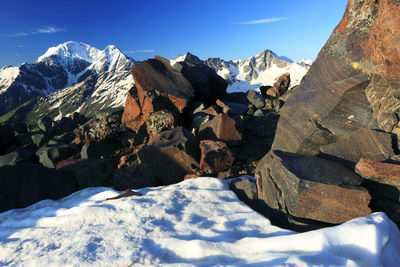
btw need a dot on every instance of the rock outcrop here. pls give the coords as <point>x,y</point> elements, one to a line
<point>157,87</point>
<point>311,187</point>
<point>346,108</point>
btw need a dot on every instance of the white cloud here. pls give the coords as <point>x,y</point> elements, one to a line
<point>49,30</point>
<point>20,46</point>
<point>140,51</point>
<point>261,21</point>
<point>45,30</point>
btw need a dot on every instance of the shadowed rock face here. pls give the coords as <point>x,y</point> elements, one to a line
<point>335,97</point>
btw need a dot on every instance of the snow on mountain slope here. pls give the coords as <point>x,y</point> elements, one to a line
<point>262,69</point>
<point>104,76</point>
<point>198,222</point>
<point>7,76</point>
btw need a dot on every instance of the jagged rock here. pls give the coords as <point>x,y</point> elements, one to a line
<point>221,127</point>
<point>357,71</point>
<point>25,184</point>
<point>255,99</point>
<point>280,86</point>
<point>50,155</point>
<point>311,187</point>
<point>170,157</point>
<point>216,157</point>
<point>363,143</point>
<point>157,87</point>
<point>264,89</point>
<point>39,139</point>
<point>45,123</point>
<point>246,190</point>
<point>88,172</point>
<point>126,193</point>
<point>97,150</point>
<point>208,85</point>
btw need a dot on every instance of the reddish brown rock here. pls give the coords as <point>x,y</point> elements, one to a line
<point>311,187</point>
<point>386,173</point>
<point>157,87</point>
<point>280,86</point>
<point>215,157</point>
<point>221,127</point>
<point>363,45</point>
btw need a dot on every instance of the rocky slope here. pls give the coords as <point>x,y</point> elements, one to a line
<point>262,69</point>
<point>67,78</point>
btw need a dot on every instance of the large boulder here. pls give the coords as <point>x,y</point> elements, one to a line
<point>311,187</point>
<point>280,86</point>
<point>352,83</point>
<point>157,87</point>
<point>25,184</point>
<point>208,85</point>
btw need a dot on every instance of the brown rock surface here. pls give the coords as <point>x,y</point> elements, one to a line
<point>221,127</point>
<point>170,157</point>
<point>157,87</point>
<point>387,173</point>
<point>311,187</point>
<point>363,45</point>
<point>280,86</point>
<point>215,157</point>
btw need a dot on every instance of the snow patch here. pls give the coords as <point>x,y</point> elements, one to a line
<point>198,222</point>
<point>8,75</point>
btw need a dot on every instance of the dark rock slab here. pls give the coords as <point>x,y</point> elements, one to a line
<point>45,123</point>
<point>88,172</point>
<point>311,188</point>
<point>363,143</point>
<point>97,150</point>
<point>25,184</point>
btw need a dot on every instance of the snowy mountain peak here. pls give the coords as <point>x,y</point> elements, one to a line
<point>72,49</point>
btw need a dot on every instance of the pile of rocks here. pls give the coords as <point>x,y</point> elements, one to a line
<point>178,123</point>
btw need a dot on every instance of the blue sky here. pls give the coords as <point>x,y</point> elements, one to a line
<point>230,29</point>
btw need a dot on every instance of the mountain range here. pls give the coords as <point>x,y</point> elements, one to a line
<point>76,77</point>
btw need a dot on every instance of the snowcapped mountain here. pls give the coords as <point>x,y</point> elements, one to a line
<point>262,69</point>
<point>70,77</point>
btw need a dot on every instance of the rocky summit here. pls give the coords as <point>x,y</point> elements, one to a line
<point>322,153</point>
